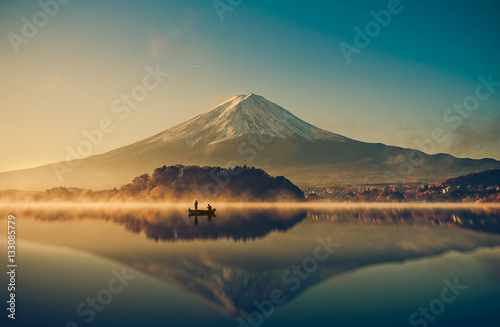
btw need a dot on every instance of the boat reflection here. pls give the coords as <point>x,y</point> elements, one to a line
<point>195,213</point>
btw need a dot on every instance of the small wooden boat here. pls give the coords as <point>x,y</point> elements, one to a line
<point>201,212</point>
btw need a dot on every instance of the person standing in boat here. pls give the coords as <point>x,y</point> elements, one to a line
<point>209,207</point>
<point>195,204</point>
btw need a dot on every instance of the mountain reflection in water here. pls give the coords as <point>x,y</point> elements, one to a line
<point>231,274</point>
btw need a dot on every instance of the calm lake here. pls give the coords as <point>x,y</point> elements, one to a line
<point>306,265</point>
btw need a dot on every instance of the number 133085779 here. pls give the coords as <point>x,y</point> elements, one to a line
<point>11,231</point>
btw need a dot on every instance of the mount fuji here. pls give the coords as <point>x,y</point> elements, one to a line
<point>243,115</point>
<point>251,130</point>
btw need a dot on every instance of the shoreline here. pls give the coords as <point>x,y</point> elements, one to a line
<point>263,205</point>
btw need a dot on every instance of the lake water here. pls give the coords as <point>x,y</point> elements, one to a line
<point>306,265</point>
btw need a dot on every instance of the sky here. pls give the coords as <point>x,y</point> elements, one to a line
<point>401,81</point>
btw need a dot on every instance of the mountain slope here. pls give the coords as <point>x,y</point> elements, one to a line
<point>250,130</point>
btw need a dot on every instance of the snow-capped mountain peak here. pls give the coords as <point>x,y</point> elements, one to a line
<point>243,115</point>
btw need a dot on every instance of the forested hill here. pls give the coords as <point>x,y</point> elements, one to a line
<point>484,179</point>
<point>206,183</point>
